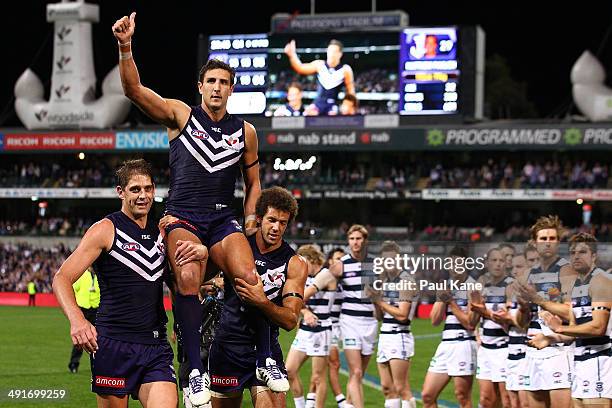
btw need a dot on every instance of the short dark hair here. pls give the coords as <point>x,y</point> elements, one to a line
<point>336,42</point>
<point>459,251</point>
<point>295,84</point>
<point>217,64</point>
<point>586,238</point>
<point>390,246</point>
<point>331,253</point>
<point>277,198</point>
<point>353,99</point>
<point>130,168</point>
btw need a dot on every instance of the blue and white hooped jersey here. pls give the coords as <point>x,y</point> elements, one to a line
<point>321,305</point>
<point>131,277</point>
<point>589,347</point>
<point>390,325</point>
<point>204,162</point>
<point>548,285</point>
<point>355,274</point>
<point>492,334</point>
<point>453,329</point>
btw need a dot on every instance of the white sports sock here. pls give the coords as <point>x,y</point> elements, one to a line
<point>310,400</point>
<point>340,400</point>
<point>392,403</point>
<point>411,403</point>
<point>299,402</point>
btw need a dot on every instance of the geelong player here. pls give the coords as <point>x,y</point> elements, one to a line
<point>590,325</point>
<point>357,319</point>
<point>548,374</point>
<point>331,75</point>
<point>493,350</point>
<point>313,338</point>
<point>396,343</point>
<point>208,147</point>
<point>455,357</point>
<point>130,352</point>
<point>278,294</point>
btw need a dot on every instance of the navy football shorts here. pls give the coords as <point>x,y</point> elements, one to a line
<point>119,367</point>
<point>232,366</point>
<point>210,227</point>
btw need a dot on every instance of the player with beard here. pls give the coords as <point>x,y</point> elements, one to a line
<point>278,294</point>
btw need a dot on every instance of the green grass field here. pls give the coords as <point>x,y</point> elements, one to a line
<point>35,349</point>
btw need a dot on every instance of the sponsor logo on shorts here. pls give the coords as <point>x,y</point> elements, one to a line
<point>599,386</point>
<point>585,383</point>
<point>462,364</point>
<point>557,374</point>
<point>110,382</point>
<point>199,134</point>
<point>350,342</point>
<point>224,381</point>
<point>131,246</point>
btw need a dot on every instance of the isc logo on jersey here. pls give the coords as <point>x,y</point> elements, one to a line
<point>131,246</point>
<point>199,134</point>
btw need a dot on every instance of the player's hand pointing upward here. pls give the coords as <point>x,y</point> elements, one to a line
<point>123,29</point>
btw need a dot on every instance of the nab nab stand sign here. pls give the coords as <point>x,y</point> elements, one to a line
<point>142,140</point>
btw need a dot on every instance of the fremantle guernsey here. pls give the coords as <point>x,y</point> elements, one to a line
<point>131,277</point>
<point>204,162</point>
<point>355,274</point>
<point>329,83</point>
<point>235,325</point>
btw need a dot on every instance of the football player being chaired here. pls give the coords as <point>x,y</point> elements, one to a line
<point>278,294</point>
<point>331,75</point>
<point>208,147</point>
<point>130,354</point>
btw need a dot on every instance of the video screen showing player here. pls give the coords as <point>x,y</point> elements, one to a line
<point>330,66</point>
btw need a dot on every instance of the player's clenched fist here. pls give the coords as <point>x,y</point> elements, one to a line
<point>123,29</point>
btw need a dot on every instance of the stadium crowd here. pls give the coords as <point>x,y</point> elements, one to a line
<point>22,263</point>
<point>331,174</point>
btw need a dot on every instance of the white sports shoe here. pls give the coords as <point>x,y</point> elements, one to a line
<point>274,378</point>
<point>199,388</point>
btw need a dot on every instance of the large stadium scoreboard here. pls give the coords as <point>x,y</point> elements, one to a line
<point>429,71</point>
<point>420,71</point>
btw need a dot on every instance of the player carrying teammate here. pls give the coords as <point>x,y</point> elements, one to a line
<point>130,352</point>
<point>278,294</point>
<point>331,75</point>
<point>208,147</point>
